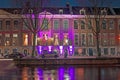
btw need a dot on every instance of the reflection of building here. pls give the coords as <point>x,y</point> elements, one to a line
<point>63,31</point>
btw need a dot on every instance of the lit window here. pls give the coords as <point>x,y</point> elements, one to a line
<point>25,39</point>
<point>15,39</point>
<point>56,41</point>
<point>7,39</point>
<point>65,41</point>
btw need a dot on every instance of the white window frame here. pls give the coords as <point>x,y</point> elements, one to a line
<point>64,27</point>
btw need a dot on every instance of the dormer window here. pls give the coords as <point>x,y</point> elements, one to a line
<point>82,11</point>
<point>104,12</point>
<point>30,10</point>
<point>15,11</point>
<point>60,11</point>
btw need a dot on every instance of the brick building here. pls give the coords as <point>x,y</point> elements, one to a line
<point>65,31</point>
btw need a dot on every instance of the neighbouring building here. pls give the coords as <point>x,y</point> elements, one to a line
<point>65,32</point>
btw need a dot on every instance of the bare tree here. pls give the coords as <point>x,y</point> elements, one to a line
<point>94,15</point>
<point>30,15</point>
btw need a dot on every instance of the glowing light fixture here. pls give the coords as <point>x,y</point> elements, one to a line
<point>40,49</point>
<point>70,48</point>
<point>49,47</point>
<point>61,49</point>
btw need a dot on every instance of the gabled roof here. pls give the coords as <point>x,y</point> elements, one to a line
<point>3,12</point>
<point>66,10</point>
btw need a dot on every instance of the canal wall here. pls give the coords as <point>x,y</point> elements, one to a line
<point>64,61</point>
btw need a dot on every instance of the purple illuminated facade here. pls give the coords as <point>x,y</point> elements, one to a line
<point>65,33</point>
<point>58,35</point>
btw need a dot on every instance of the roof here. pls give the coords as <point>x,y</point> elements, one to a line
<point>59,3</point>
<point>4,12</point>
<point>67,10</point>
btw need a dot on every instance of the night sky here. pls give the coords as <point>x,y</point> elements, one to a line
<point>58,3</point>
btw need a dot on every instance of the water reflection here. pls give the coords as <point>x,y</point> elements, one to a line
<point>61,73</point>
<point>71,73</point>
<point>37,73</point>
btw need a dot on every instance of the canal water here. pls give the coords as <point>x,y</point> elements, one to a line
<point>63,72</point>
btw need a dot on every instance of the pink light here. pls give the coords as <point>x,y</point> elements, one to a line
<point>70,48</point>
<point>49,47</point>
<point>61,49</point>
<point>40,49</point>
<point>61,16</point>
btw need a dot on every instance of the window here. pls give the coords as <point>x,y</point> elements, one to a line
<point>90,39</point>
<point>56,24</point>
<point>82,22</point>
<point>7,39</point>
<point>104,24</point>
<point>25,24</point>
<point>112,51</point>
<point>25,39</point>
<point>56,40</point>
<point>90,50</point>
<point>0,51</point>
<point>1,40</point>
<point>0,25</point>
<point>75,24</point>
<point>112,39</point>
<point>104,12</point>
<point>83,39</point>
<point>111,24</point>
<point>82,11</point>
<point>89,24</point>
<point>119,24</point>
<point>76,39</point>
<point>7,25</point>
<point>84,51</point>
<point>45,24</point>
<point>105,50</point>
<point>16,24</point>
<point>105,39</point>
<point>65,41</point>
<point>119,38</point>
<point>65,25</point>
<point>15,50</point>
<point>60,11</point>
<point>15,39</point>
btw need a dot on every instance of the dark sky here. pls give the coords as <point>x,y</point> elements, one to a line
<point>59,3</point>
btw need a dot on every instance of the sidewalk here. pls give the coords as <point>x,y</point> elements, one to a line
<point>74,57</point>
